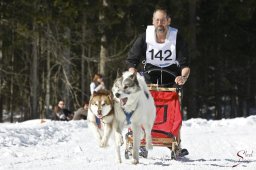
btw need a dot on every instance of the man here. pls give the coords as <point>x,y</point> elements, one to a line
<point>163,48</point>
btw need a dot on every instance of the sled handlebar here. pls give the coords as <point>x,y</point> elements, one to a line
<point>161,70</point>
<point>170,73</point>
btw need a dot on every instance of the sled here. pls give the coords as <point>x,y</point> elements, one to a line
<point>166,129</point>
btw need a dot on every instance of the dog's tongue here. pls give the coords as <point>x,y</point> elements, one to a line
<point>123,101</point>
<point>99,116</point>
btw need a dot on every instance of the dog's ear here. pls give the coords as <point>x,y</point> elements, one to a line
<point>95,93</point>
<point>102,92</point>
<point>110,97</point>
<point>134,78</point>
<point>118,73</point>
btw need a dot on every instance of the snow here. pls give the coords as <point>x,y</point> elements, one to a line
<point>56,145</point>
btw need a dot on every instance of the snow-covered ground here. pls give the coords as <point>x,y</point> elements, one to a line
<point>70,145</point>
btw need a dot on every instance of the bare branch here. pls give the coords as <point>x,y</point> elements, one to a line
<point>120,54</point>
<point>90,59</point>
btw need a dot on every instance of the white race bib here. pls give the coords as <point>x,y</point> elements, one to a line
<point>161,54</point>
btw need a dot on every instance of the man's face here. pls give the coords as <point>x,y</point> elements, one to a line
<point>161,21</point>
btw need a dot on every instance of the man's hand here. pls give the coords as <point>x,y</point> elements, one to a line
<point>180,80</point>
<point>132,70</point>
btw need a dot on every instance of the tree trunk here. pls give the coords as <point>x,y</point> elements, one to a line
<point>89,71</point>
<point>192,83</point>
<point>103,42</point>
<point>11,89</point>
<point>103,55</point>
<point>83,62</point>
<point>67,69</point>
<point>1,95</point>
<point>218,84</point>
<point>12,80</point>
<point>48,76</point>
<point>34,75</point>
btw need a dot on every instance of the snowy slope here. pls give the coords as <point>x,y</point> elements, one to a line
<point>70,145</point>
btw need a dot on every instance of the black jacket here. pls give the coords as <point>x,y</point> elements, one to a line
<point>138,52</point>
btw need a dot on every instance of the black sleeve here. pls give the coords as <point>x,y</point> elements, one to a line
<point>137,52</point>
<point>181,52</point>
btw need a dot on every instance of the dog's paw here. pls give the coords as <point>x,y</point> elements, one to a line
<point>103,143</point>
<point>98,136</point>
<point>118,160</point>
<point>149,146</point>
<point>135,161</point>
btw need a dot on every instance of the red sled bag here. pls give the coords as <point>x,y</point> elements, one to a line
<point>168,115</point>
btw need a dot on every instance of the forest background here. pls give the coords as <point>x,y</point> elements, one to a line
<point>50,49</point>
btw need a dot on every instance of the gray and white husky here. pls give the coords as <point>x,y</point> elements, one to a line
<point>133,105</point>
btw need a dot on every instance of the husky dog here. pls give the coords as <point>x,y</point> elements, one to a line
<point>101,108</point>
<point>133,105</point>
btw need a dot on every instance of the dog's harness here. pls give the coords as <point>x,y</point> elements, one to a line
<point>128,115</point>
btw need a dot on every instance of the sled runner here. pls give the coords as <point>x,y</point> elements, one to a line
<point>166,129</point>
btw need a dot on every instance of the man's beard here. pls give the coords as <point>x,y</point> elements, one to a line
<point>160,29</point>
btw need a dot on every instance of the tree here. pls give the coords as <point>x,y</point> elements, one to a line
<point>50,49</point>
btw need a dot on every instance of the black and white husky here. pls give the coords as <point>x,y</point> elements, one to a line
<point>133,105</point>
